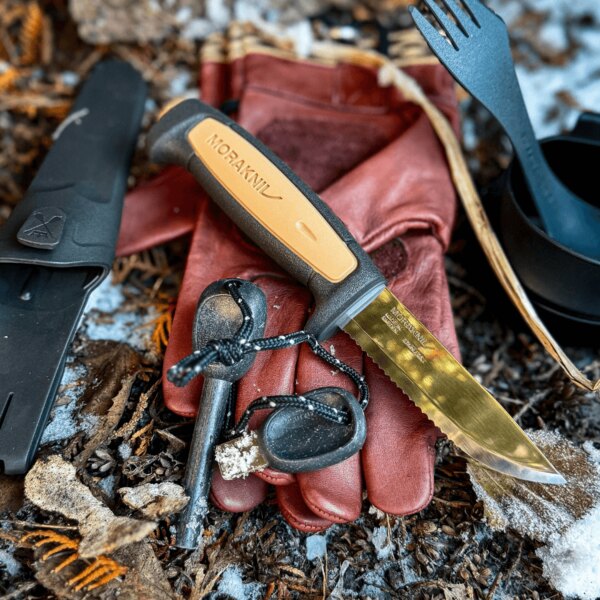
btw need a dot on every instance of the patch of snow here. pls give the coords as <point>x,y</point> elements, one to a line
<point>62,424</point>
<point>232,586</point>
<point>11,565</point>
<point>382,542</point>
<point>554,35</point>
<point>184,14</point>
<point>246,11</point>
<point>375,585</point>
<point>302,35</point>
<point>197,29</point>
<point>316,547</point>
<point>539,515</point>
<point>542,83</point>
<point>565,518</point>
<point>65,422</point>
<point>70,78</point>
<point>179,84</point>
<point>107,485</point>
<point>150,106</point>
<point>218,12</point>
<point>106,297</point>
<point>124,450</point>
<point>68,388</point>
<point>572,560</point>
<point>124,326</point>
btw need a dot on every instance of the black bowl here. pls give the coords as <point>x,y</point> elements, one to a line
<point>564,285</point>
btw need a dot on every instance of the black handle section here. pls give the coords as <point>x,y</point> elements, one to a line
<point>336,303</point>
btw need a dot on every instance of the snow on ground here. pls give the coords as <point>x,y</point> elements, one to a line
<point>572,560</point>
<point>105,319</point>
<point>543,84</point>
<point>566,519</point>
<point>232,586</point>
<point>65,421</point>
<point>316,547</point>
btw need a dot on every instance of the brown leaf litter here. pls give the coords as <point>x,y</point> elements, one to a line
<point>52,485</point>
<point>444,551</point>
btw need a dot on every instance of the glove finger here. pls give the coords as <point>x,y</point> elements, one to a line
<point>398,457</point>
<point>399,453</point>
<point>295,511</point>
<point>333,493</point>
<point>237,495</point>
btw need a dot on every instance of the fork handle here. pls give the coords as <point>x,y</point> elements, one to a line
<point>541,181</point>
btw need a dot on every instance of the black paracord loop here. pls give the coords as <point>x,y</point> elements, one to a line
<point>232,350</point>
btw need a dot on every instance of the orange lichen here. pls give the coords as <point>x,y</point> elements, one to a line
<point>101,571</point>
<point>8,78</point>
<point>30,37</point>
<point>162,328</point>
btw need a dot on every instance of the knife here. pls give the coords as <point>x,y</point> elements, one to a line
<point>283,216</point>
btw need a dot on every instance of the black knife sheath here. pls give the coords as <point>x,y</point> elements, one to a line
<point>57,246</point>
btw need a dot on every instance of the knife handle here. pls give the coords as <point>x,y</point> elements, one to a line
<point>273,207</point>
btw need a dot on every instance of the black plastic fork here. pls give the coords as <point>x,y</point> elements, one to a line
<point>475,48</point>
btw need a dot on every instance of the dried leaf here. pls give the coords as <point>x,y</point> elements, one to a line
<point>145,577</point>
<point>175,444</point>
<point>52,485</point>
<point>155,500</point>
<point>8,78</point>
<point>535,509</point>
<point>458,591</point>
<point>108,423</point>
<point>108,364</point>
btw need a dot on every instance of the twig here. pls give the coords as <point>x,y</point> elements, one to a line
<point>38,525</point>
<point>508,575</point>
<point>20,591</point>
<point>530,404</point>
<point>454,503</point>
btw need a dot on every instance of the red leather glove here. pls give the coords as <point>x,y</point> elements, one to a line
<point>375,159</point>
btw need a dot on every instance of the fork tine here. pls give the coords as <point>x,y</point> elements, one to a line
<point>438,44</point>
<point>477,9</point>
<point>446,23</point>
<point>464,19</point>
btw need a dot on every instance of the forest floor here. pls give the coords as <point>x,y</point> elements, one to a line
<point>115,440</point>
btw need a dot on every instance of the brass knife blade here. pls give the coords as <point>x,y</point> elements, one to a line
<point>445,391</point>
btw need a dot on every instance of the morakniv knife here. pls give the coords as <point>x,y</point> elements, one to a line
<point>277,210</point>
